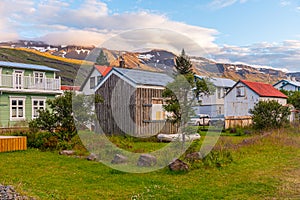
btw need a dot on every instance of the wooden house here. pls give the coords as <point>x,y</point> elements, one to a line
<point>288,85</point>
<point>243,96</point>
<point>96,74</point>
<point>213,105</point>
<point>133,103</point>
<point>24,89</point>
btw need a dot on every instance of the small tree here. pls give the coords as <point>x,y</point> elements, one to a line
<point>184,90</point>
<point>102,59</point>
<point>269,114</point>
<point>59,119</point>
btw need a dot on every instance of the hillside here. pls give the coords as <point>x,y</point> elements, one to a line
<point>68,69</point>
<point>68,59</point>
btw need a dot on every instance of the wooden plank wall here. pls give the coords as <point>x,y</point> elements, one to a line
<point>232,122</point>
<point>109,121</point>
<point>135,102</point>
<point>12,143</point>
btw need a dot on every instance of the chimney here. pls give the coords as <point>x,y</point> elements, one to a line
<point>121,62</point>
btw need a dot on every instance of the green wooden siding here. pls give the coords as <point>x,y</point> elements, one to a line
<point>27,72</point>
<point>5,108</point>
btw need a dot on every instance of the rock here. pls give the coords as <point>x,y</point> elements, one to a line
<point>146,160</point>
<point>119,159</point>
<point>92,157</point>
<point>193,156</point>
<point>67,152</point>
<point>178,165</point>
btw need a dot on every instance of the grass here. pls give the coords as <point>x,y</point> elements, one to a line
<point>265,169</point>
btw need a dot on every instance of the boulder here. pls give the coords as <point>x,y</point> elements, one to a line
<point>67,152</point>
<point>119,159</point>
<point>178,165</point>
<point>146,160</point>
<point>177,137</point>
<point>92,157</point>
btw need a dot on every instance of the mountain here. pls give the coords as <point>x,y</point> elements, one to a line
<point>154,60</point>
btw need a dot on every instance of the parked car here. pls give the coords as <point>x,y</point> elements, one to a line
<point>200,120</point>
<point>218,120</point>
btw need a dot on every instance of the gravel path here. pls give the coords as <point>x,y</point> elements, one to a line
<point>9,193</point>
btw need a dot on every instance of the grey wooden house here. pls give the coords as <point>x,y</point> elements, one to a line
<point>133,103</point>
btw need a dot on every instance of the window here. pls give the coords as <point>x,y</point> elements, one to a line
<point>39,77</point>
<point>157,111</point>
<point>17,108</point>
<point>219,92</point>
<point>92,82</point>
<point>240,91</point>
<point>99,79</point>
<point>37,104</point>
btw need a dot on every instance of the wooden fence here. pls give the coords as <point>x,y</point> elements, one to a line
<point>232,122</point>
<point>13,143</point>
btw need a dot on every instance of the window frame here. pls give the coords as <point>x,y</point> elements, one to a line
<point>32,105</point>
<point>17,118</point>
<point>242,90</point>
<point>94,80</point>
<point>38,78</point>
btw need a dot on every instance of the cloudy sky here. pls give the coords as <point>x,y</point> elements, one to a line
<point>256,32</point>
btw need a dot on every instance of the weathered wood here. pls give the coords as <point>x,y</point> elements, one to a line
<point>242,121</point>
<point>133,116</point>
<point>12,143</point>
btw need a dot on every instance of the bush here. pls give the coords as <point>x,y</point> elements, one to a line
<point>269,114</point>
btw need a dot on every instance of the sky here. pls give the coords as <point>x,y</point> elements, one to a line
<point>254,32</point>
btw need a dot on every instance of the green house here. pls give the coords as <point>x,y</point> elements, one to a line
<point>24,89</point>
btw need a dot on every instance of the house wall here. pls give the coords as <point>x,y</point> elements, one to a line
<point>240,106</point>
<point>282,101</point>
<point>27,72</point>
<point>114,116</point>
<point>147,107</point>
<point>128,109</point>
<point>86,88</point>
<point>5,121</point>
<point>212,105</point>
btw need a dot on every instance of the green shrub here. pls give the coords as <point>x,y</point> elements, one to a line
<point>269,114</point>
<point>217,158</point>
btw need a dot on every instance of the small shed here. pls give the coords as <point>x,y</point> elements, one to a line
<point>133,103</point>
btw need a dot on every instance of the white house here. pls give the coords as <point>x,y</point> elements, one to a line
<point>287,85</point>
<point>243,96</point>
<point>94,78</point>
<point>213,105</point>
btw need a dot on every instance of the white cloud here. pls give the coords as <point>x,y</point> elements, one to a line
<point>284,55</point>
<point>92,23</point>
<point>217,4</point>
<point>284,3</point>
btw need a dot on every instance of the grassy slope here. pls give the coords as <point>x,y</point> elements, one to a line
<point>261,170</point>
<point>68,68</point>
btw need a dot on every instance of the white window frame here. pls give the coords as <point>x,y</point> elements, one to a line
<point>22,79</point>
<point>39,83</point>
<point>17,118</point>
<point>32,105</point>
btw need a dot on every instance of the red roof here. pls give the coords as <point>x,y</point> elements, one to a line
<point>104,70</point>
<point>263,89</point>
<point>70,87</point>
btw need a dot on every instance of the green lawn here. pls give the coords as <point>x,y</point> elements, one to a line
<point>267,169</point>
